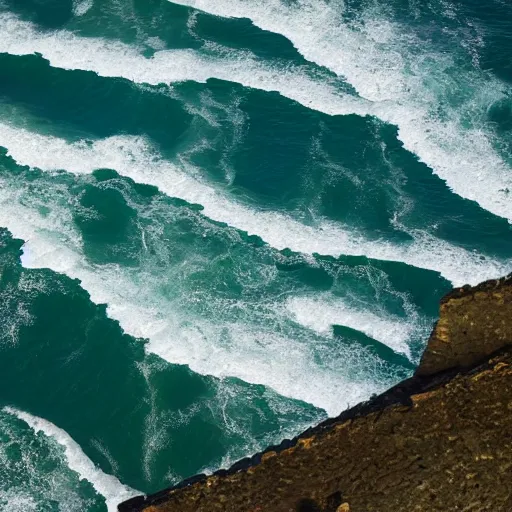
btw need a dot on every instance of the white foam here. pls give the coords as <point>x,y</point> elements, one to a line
<point>110,58</point>
<point>258,344</point>
<point>106,485</point>
<point>33,479</point>
<point>406,79</point>
<point>80,7</point>
<point>134,157</point>
<point>320,313</point>
<point>463,157</point>
<point>295,363</point>
<point>16,502</point>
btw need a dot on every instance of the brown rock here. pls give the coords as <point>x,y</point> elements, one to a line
<point>473,323</point>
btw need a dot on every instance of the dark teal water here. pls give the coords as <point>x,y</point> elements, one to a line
<point>223,221</point>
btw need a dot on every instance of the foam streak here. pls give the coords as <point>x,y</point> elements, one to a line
<point>451,151</point>
<point>405,79</point>
<point>135,158</point>
<point>320,314</point>
<point>255,354</point>
<point>106,485</point>
<point>114,59</point>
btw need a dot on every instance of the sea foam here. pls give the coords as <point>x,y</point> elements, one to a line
<point>300,365</point>
<point>464,157</point>
<point>263,347</point>
<point>405,80</point>
<point>80,7</point>
<point>108,486</point>
<point>134,157</point>
<point>320,313</point>
<point>110,58</point>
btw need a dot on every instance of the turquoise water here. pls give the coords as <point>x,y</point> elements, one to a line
<point>224,221</point>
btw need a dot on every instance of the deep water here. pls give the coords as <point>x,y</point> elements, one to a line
<point>222,221</point>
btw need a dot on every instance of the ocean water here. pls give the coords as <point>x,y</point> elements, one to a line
<point>222,221</point>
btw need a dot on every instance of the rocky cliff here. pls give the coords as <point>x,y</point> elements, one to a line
<point>440,441</point>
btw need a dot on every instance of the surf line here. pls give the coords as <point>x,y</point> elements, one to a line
<point>107,485</point>
<point>136,158</point>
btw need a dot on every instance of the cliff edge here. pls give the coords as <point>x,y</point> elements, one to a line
<point>439,441</point>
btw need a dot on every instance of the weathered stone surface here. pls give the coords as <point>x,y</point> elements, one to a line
<point>440,441</point>
<point>473,323</point>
